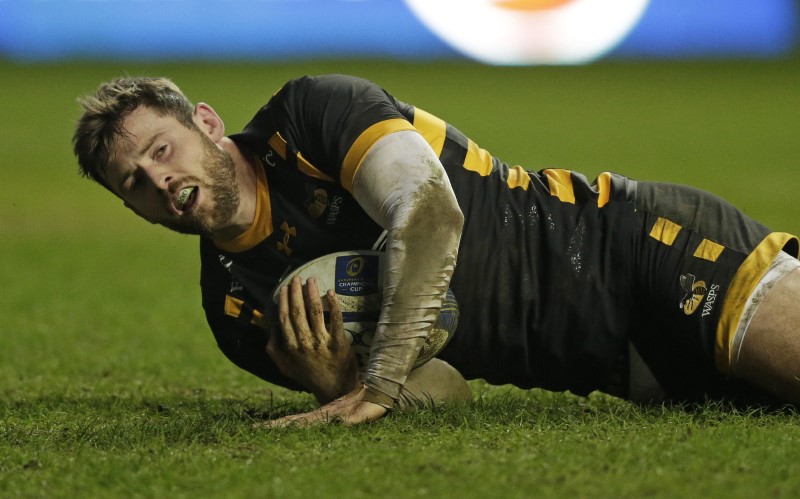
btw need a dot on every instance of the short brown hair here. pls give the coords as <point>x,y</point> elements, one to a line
<point>104,112</point>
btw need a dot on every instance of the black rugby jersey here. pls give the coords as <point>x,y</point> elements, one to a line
<point>536,278</point>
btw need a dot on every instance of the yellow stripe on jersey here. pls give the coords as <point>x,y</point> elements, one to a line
<point>477,159</point>
<point>665,231</point>
<point>518,177</point>
<point>309,169</point>
<point>278,143</point>
<point>708,250</point>
<point>741,287</point>
<point>603,189</point>
<point>261,227</point>
<point>433,129</point>
<point>353,158</point>
<point>233,306</point>
<point>560,182</point>
<point>259,319</point>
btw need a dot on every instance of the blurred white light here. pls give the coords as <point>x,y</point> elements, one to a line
<point>530,31</point>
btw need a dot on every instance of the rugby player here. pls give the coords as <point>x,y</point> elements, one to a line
<point>642,290</point>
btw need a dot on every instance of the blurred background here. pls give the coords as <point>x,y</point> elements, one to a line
<point>702,92</point>
<point>491,31</point>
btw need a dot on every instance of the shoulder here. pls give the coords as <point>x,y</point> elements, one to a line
<point>326,90</point>
<point>335,82</point>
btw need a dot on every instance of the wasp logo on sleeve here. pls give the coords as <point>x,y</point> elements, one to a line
<point>695,292</point>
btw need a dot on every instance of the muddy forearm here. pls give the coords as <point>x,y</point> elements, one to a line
<point>402,185</point>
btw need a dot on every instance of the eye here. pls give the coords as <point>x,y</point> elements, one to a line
<point>160,152</point>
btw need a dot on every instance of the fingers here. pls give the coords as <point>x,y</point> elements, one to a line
<point>347,411</point>
<point>301,315</point>
<point>316,316</point>
<point>297,311</point>
<point>304,420</point>
<point>285,319</point>
<point>336,322</point>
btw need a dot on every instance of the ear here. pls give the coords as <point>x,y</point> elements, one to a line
<point>130,207</point>
<point>209,121</point>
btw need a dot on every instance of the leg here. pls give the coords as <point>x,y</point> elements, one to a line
<point>433,384</point>
<point>769,356</point>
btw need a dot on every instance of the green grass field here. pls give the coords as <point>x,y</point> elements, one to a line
<point>111,384</point>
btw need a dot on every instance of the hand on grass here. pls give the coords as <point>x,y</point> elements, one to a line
<point>318,357</point>
<point>350,409</point>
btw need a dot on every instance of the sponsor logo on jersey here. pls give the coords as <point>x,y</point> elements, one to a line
<point>711,299</point>
<point>695,292</point>
<point>288,233</point>
<point>336,205</point>
<point>317,203</point>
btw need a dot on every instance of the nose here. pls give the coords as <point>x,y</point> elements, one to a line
<point>158,176</point>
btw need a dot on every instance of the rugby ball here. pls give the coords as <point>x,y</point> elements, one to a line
<point>357,279</point>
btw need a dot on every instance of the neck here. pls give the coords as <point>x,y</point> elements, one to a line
<point>247,182</point>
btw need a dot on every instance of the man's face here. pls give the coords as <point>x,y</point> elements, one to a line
<point>173,175</point>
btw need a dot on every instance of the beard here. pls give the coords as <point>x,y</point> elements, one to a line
<point>220,172</point>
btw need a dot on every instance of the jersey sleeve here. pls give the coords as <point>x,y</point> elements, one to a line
<point>333,120</point>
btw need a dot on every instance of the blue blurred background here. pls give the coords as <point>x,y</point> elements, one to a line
<point>288,30</point>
